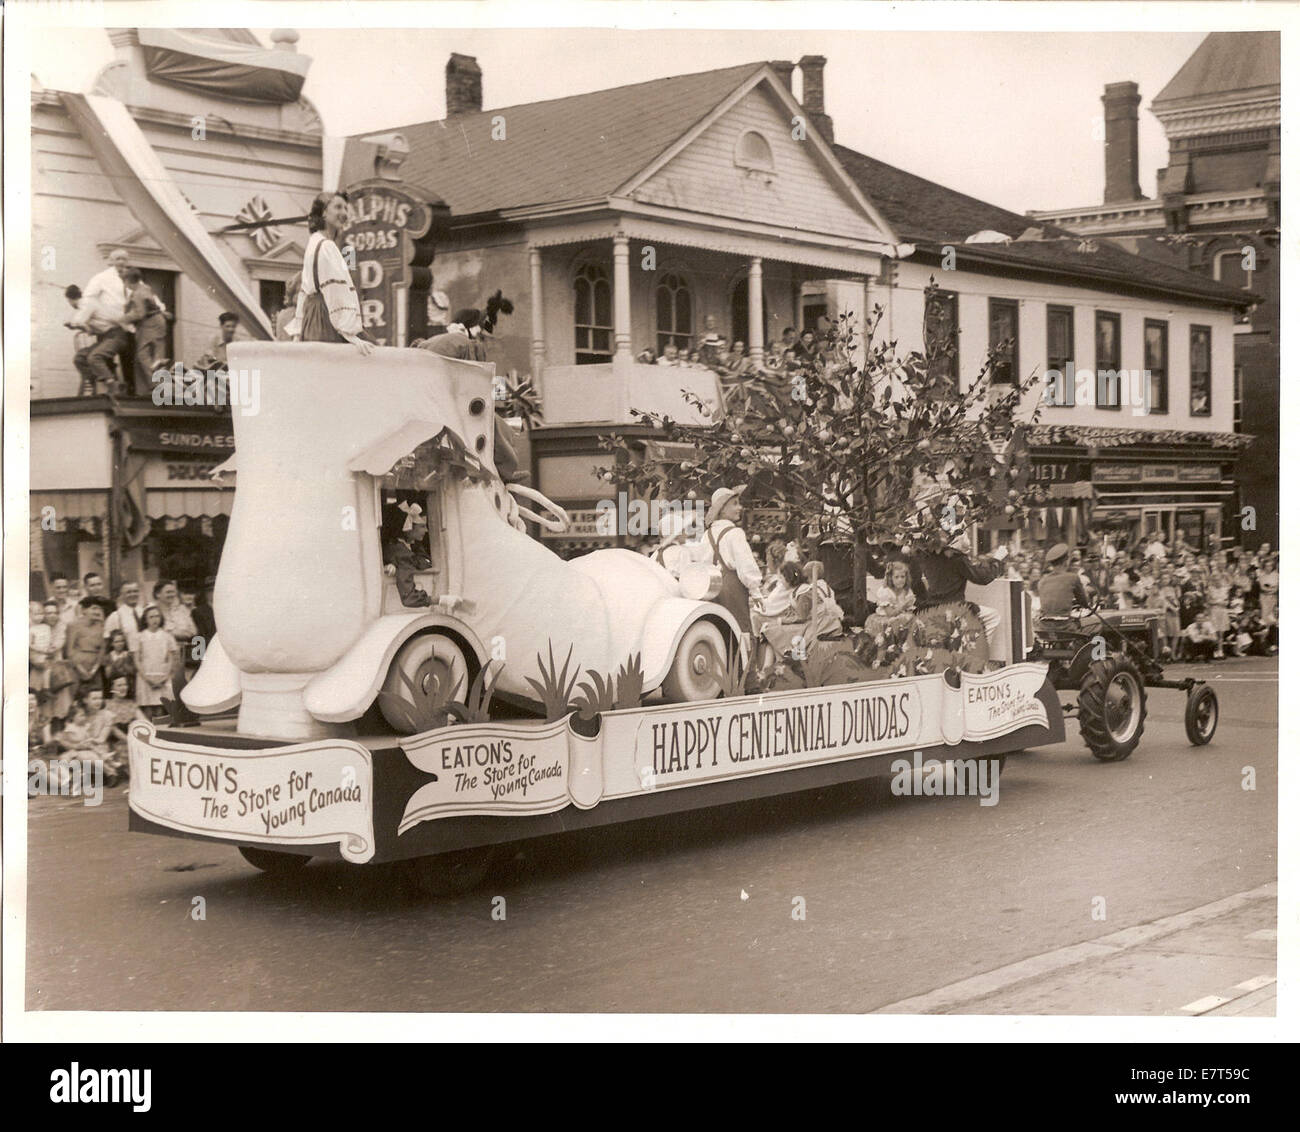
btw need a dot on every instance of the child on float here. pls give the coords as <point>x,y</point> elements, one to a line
<point>814,605</point>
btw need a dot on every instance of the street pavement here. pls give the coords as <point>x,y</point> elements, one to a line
<point>1141,887</point>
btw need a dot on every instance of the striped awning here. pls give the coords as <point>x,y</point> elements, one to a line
<point>192,503</point>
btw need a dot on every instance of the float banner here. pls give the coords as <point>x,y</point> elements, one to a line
<point>527,768</point>
<point>499,768</point>
<point>306,794</point>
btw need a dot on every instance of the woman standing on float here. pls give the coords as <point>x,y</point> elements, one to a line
<point>328,308</point>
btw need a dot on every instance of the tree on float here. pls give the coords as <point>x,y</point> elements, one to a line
<point>888,450</point>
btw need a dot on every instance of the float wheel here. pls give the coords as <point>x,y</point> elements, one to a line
<point>1201,716</point>
<point>272,862</point>
<point>1112,708</point>
<point>698,665</point>
<point>426,683</point>
<point>451,874</point>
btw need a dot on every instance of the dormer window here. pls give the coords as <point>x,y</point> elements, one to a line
<point>754,151</point>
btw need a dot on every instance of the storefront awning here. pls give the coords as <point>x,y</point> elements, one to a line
<point>192,503</point>
<point>149,191</point>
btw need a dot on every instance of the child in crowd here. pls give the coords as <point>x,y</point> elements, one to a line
<point>119,662</point>
<point>106,740</point>
<point>155,661</point>
<point>123,712</point>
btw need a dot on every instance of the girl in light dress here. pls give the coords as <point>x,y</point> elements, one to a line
<point>156,657</point>
<point>1216,601</point>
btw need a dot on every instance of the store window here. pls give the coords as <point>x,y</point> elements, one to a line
<point>1060,356</point>
<point>593,315</point>
<point>1156,363</point>
<point>673,322</point>
<point>1199,371</point>
<point>1109,392</point>
<point>941,336</point>
<point>1004,329</point>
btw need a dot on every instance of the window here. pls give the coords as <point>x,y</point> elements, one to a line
<point>1060,356</point>
<point>593,318</point>
<point>940,334</point>
<point>673,313</point>
<point>1108,376</point>
<point>1236,399</point>
<point>1155,360</point>
<point>1004,322</point>
<point>1199,371</point>
<point>753,151</point>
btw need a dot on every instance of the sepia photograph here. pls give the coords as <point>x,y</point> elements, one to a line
<point>750,510</point>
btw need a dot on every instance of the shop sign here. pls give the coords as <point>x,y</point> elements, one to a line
<point>1055,471</point>
<point>217,441</point>
<point>590,522</point>
<point>389,237</point>
<point>1160,473</point>
<point>1198,473</point>
<point>1117,473</point>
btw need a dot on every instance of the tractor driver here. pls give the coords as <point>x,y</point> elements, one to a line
<point>1060,589</point>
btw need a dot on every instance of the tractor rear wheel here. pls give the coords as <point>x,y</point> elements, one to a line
<point>1112,708</point>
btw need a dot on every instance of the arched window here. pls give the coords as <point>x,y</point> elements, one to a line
<point>753,151</point>
<point>673,312</point>
<point>593,318</point>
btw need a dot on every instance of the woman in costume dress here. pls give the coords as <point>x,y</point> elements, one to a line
<point>328,307</point>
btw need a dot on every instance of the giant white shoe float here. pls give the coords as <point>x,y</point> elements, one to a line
<point>310,629</point>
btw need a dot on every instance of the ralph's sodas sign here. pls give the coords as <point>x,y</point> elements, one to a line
<point>389,241</point>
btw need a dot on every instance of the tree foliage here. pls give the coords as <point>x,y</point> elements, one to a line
<point>891,450</point>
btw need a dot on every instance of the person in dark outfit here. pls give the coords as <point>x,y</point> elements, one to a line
<point>463,339</point>
<point>408,554</point>
<point>942,601</point>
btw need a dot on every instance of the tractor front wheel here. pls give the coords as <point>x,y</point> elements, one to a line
<point>1112,708</point>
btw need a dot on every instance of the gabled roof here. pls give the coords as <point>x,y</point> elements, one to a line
<point>1228,61</point>
<point>931,216</point>
<point>564,149</point>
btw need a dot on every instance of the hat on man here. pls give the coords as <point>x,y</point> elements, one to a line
<point>468,317</point>
<point>1059,551</point>
<point>719,500</point>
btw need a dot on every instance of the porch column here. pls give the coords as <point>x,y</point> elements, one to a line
<point>538,319</point>
<point>756,327</point>
<point>622,299</point>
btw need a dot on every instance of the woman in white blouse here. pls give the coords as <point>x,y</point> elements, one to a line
<point>328,308</point>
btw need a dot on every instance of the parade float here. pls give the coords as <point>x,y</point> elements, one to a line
<point>374,705</point>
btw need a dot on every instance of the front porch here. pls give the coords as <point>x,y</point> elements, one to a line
<point>604,294</point>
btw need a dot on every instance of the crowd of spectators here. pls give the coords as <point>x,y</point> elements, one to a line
<point>1213,605</point>
<point>730,360</point>
<point>95,665</point>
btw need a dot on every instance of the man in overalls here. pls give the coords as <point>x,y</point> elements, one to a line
<point>742,580</point>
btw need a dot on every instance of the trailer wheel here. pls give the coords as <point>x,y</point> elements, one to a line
<point>1201,716</point>
<point>426,681</point>
<point>698,665</point>
<point>1112,708</point>
<point>272,862</point>
<point>451,874</point>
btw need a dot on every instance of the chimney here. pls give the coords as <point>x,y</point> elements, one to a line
<point>1121,101</point>
<point>464,85</point>
<point>785,72</point>
<point>814,95</point>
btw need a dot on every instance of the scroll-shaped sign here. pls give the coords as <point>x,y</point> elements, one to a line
<point>305,794</point>
<point>391,232</point>
<point>501,768</point>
